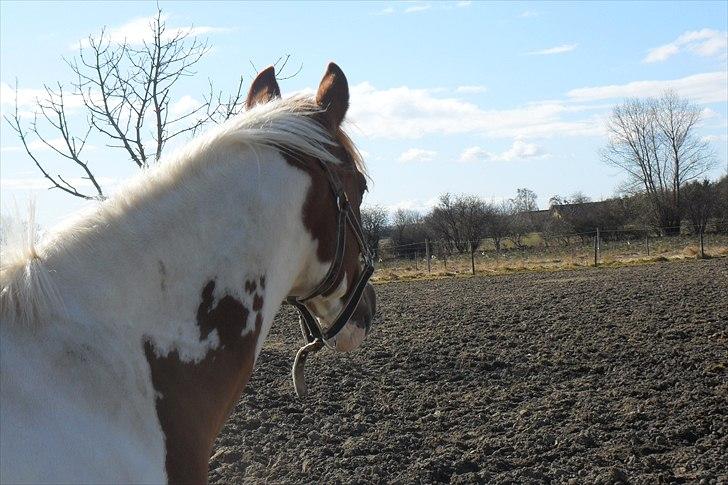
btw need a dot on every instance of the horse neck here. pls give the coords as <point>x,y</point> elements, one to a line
<point>188,277</point>
<point>232,224</point>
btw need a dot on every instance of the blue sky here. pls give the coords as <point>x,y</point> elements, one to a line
<point>473,97</point>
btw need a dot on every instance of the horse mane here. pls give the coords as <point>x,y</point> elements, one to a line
<point>27,291</point>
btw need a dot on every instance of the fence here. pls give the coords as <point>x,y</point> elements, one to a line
<point>546,251</point>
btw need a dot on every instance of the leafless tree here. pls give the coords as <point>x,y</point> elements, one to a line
<point>700,200</point>
<point>521,220</point>
<point>445,223</point>
<point>655,142</point>
<point>500,224</point>
<point>408,232</point>
<point>125,91</point>
<point>374,222</point>
<point>721,208</point>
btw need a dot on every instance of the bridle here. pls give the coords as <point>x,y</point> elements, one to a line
<point>315,337</point>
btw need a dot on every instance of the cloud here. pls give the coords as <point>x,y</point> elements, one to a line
<point>528,13</point>
<point>417,155</point>
<point>560,49</point>
<point>138,30</point>
<point>709,87</point>
<point>705,43</point>
<point>385,11</point>
<point>419,205</point>
<point>519,150</point>
<point>184,105</point>
<point>27,100</point>
<point>57,143</point>
<point>463,3</point>
<point>714,138</point>
<point>410,113</point>
<point>41,183</point>
<point>474,89</point>
<point>417,8</point>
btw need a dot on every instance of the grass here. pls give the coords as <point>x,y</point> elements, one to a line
<point>542,260</point>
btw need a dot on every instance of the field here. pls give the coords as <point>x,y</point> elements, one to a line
<point>594,376</point>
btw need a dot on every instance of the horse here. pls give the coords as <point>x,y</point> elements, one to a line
<point>128,334</point>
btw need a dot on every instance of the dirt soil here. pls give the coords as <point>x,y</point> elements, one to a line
<point>590,376</point>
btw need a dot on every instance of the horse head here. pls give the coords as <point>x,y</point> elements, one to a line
<point>336,302</point>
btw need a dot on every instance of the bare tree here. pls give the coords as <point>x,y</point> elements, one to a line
<point>655,142</point>
<point>125,92</point>
<point>374,222</point>
<point>522,223</point>
<point>500,224</point>
<point>700,200</point>
<point>445,223</point>
<point>408,232</point>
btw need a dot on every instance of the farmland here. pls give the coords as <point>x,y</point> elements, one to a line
<point>593,376</point>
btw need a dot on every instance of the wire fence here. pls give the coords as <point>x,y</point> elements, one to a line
<point>545,251</point>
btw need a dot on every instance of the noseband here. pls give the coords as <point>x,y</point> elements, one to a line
<point>315,337</point>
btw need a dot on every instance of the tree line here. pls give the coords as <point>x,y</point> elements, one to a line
<point>461,223</point>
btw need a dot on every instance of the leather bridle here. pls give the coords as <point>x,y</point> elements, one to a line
<point>315,337</point>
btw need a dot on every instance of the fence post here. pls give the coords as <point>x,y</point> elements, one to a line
<point>596,248</point>
<point>472,258</point>
<point>427,251</point>
<point>702,248</point>
<point>647,241</point>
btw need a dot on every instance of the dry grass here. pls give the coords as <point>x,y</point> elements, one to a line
<point>553,259</point>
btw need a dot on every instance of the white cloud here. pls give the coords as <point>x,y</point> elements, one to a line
<point>464,3</point>
<point>420,205</point>
<point>519,150</point>
<point>709,87</point>
<point>27,100</point>
<point>528,13</point>
<point>417,8</point>
<point>559,49</point>
<point>705,43</point>
<point>57,143</point>
<point>41,183</point>
<point>473,154</point>
<point>139,30</point>
<point>473,89</point>
<point>409,113</point>
<point>184,105</point>
<point>417,155</point>
<point>385,11</point>
<point>714,138</point>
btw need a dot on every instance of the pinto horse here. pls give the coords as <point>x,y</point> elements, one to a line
<point>128,335</point>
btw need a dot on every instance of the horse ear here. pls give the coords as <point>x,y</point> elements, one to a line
<point>264,88</point>
<point>333,96</point>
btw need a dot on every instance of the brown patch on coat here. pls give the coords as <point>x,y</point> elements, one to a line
<point>195,398</point>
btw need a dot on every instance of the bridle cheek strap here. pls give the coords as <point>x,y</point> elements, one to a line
<point>312,333</point>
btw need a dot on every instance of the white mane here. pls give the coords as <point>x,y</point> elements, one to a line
<point>27,291</point>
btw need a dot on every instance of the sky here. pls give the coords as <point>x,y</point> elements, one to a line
<point>462,97</point>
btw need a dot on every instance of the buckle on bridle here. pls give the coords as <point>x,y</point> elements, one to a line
<point>342,201</point>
